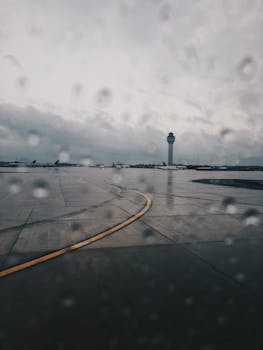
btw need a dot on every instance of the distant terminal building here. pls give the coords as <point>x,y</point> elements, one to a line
<point>170,140</point>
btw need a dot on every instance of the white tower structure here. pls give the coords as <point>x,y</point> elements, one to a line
<point>170,140</point>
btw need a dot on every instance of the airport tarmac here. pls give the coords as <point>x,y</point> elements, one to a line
<point>163,262</point>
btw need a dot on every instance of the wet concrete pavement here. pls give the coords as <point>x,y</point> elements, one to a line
<point>187,275</point>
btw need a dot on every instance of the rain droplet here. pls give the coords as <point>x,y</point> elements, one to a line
<point>240,277</point>
<point>227,134</point>
<point>22,81</point>
<point>145,118</point>
<point>41,189</point>
<point>212,209</point>
<point>141,340</point>
<point>230,301</point>
<point>108,214</point>
<point>22,169</point>
<point>189,301</point>
<point>229,240</point>
<point>247,68</point>
<point>233,260</point>
<point>117,179</point>
<point>13,260</point>
<point>68,302</point>
<point>33,138</point>
<point>84,189</point>
<point>77,89</point>
<point>126,116</point>
<point>64,156</point>
<point>14,186</point>
<point>251,217</point>
<point>221,320</point>
<point>147,233</point>
<point>150,189</point>
<point>142,179</point>
<point>228,204</point>
<point>207,347</point>
<point>86,161</point>
<point>165,12</point>
<point>145,268</point>
<point>104,97</point>
<point>75,226</point>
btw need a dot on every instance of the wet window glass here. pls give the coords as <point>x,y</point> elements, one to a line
<point>131,158</point>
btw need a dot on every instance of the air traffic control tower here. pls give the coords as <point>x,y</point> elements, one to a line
<point>170,140</point>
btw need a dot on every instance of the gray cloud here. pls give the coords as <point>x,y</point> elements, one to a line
<point>95,138</point>
<point>12,59</point>
<point>110,78</point>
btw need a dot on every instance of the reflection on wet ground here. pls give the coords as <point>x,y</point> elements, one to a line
<point>252,184</point>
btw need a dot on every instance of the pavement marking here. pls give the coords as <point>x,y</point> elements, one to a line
<point>75,246</point>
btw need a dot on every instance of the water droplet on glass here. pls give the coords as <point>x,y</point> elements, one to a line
<point>240,277</point>
<point>77,89</point>
<point>68,302</point>
<point>145,118</point>
<point>104,97</point>
<point>13,260</point>
<point>212,209</point>
<point>145,268</point>
<point>165,12</point>
<point>233,260</point>
<point>108,213</point>
<point>251,217</point>
<point>22,169</point>
<point>86,161</point>
<point>141,340</point>
<point>142,179</point>
<point>14,186</point>
<point>22,82</point>
<point>226,133</point>
<point>117,179</point>
<point>150,188</point>
<point>229,240</point>
<point>33,138</point>
<point>228,204</point>
<point>247,68</point>
<point>221,320</point>
<point>41,189</point>
<point>64,156</point>
<point>172,288</point>
<point>188,301</point>
<point>75,226</point>
<point>126,116</point>
<point>147,233</point>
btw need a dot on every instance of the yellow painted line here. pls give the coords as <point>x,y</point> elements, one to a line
<point>81,244</point>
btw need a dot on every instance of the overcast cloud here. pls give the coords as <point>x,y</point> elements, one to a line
<point>108,79</point>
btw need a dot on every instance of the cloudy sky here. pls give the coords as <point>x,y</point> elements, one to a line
<point>108,79</point>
